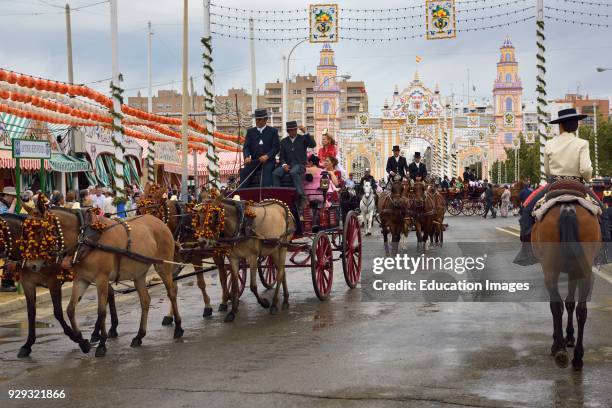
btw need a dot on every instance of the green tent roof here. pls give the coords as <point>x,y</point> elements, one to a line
<point>68,164</point>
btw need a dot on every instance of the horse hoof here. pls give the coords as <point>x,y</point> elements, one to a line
<point>100,351</point>
<point>230,317</point>
<point>285,305</point>
<point>577,364</point>
<point>570,341</point>
<point>24,352</point>
<point>207,312</point>
<point>112,334</point>
<point>167,321</point>
<point>561,358</point>
<point>178,332</point>
<point>265,303</point>
<point>136,342</point>
<point>273,309</point>
<point>85,346</point>
<point>223,307</point>
<point>95,338</point>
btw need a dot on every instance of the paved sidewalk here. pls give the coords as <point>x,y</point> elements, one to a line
<point>10,301</point>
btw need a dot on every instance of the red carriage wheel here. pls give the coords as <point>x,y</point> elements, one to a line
<point>266,271</point>
<point>467,207</point>
<point>479,207</point>
<point>242,277</point>
<point>351,250</point>
<point>322,265</point>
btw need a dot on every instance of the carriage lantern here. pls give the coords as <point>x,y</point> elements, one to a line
<point>324,183</point>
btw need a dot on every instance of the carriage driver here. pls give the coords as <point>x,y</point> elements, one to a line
<point>565,157</point>
<point>396,165</point>
<point>260,147</point>
<point>416,168</point>
<point>293,158</point>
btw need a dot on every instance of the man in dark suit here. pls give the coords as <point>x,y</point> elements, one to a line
<point>416,168</point>
<point>368,177</point>
<point>260,146</point>
<point>467,177</point>
<point>293,157</point>
<point>396,164</point>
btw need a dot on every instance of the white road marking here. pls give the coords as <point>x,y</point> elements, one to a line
<point>506,230</point>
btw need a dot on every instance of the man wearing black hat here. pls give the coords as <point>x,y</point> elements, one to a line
<point>260,146</point>
<point>293,157</point>
<point>396,164</point>
<point>416,168</point>
<point>467,176</point>
<point>565,157</point>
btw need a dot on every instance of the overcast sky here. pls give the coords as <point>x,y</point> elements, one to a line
<point>35,44</point>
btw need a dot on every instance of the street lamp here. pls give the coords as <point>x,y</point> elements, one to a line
<point>599,69</point>
<point>286,88</point>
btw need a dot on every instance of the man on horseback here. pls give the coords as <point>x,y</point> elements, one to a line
<point>260,146</point>
<point>416,168</point>
<point>565,157</point>
<point>368,177</point>
<point>396,164</point>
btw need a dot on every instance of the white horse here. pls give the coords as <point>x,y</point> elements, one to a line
<point>367,206</point>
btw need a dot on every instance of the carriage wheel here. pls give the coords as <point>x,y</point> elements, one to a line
<point>242,276</point>
<point>322,265</point>
<point>467,207</point>
<point>479,207</point>
<point>454,206</point>
<point>266,271</point>
<point>351,250</point>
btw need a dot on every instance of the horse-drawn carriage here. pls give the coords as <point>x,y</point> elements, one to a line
<point>465,201</point>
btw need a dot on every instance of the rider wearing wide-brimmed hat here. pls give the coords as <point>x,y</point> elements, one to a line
<point>565,157</point>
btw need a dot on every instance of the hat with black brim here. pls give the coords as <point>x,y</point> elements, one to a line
<point>566,115</point>
<point>292,124</point>
<point>260,114</point>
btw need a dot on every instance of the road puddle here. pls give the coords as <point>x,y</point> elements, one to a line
<point>24,325</point>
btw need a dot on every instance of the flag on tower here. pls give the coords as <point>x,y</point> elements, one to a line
<point>418,59</point>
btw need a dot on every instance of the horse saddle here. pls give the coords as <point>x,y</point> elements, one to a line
<point>566,187</point>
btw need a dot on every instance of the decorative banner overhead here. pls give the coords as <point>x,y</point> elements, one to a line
<point>364,120</point>
<point>481,135</point>
<point>508,119</point>
<point>516,143</point>
<point>441,19</point>
<point>166,153</point>
<point>323,23</point>
<point>530,137</point>
<point>492,128</point>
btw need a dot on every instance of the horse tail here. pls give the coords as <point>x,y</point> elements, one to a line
<point>569,240</point>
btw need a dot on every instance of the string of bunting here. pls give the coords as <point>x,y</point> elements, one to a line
<point>581,13</point>
<point>588,3</point>
<point>567,20</point>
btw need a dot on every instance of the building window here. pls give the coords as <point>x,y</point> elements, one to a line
<point>297,91</point>
<point>508,77</point>
<point>508,58</point>
<point>508,104</point>
<point>325,61</point>
<point>507,138</point>
<point>326,108</point>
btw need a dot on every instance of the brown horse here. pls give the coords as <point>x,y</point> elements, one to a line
<point>178,218</point>
<point>421,209</point>
<point>392,207</point>
<point>270,230</point>
<point>515,194</point>
<point>45,277</point>
<point>121,251</point>
<point>567,239</point>
<point>437,224</point>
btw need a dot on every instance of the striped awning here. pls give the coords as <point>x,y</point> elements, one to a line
<point>57,129</point>
<point>229,163</point>
<point>68,164</point>
<point>7,162</point>
<point>13,125</point>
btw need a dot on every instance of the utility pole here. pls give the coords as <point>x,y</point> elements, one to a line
<point>184,103</point>
<point>595,140</point>
<point>149,70</point>
<point>285,103</point>
<point>75,178</point>
<point>196,183</point>
<point>253,69</point>
<point>541,84</point>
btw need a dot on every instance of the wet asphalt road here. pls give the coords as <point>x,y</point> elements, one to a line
<point>343,352</point>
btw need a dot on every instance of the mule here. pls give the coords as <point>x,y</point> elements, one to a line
<point>124,250</point>
<point>436,235</point>
<point>567,239</point>
<point>271,228</point>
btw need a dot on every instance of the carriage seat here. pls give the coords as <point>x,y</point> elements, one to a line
<point>566,187</point>
<point>254,181</point>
